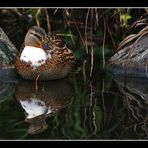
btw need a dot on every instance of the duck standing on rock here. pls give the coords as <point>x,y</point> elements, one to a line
<point>45,57</point>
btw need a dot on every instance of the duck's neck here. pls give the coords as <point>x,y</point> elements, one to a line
<point>37,56</point>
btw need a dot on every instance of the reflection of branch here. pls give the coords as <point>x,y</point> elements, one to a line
<point>130,100</point>
<point>145,129</point>
<point>137,109</point>
<point>102,93</point>
<point>94,120</point>
<point>85,118</point>
<point>90,119</point>
<point>92,105</point>
<point>111,112</point>
<point>128,97</point>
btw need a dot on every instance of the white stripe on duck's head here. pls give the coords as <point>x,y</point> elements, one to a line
<point>35,37</point>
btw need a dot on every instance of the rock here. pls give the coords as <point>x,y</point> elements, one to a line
<point>7,69</point>
<point>132,60</point>
<point>7,51</point>
<point>7,55</point>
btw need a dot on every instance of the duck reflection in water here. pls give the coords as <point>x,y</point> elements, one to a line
<point>39,104</point>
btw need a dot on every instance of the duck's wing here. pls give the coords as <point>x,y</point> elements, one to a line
<point>59,50</point>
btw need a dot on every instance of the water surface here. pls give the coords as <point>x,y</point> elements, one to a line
<point>105,108</point>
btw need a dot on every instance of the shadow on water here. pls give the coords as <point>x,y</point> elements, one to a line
<point>109,108</point>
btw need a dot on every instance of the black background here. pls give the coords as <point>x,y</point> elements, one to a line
<point>73,3</point>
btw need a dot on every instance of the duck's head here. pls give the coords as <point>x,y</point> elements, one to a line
<point>35,37</point>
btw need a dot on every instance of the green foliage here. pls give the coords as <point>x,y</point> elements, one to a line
<point>124,18</point>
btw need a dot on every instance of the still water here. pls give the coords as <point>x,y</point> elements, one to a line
<point>105,108</point>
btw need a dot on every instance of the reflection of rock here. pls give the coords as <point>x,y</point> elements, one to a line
<point>8,75</point>
<point>50,97</point>
<point>136,86</point>
<point>6,89</point>
<point>135,94</point>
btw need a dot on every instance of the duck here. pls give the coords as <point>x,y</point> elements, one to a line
<point>44,56</point>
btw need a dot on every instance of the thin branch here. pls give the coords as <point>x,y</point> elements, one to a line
<point>86,46</point>
<point>92,50</point>
<point>104,37</point>
<point>48,20</point>
<point>36,17</point>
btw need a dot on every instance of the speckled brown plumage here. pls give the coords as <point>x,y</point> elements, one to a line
<point>58,66</point>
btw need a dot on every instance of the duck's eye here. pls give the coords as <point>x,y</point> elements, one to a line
<point>45,46</point>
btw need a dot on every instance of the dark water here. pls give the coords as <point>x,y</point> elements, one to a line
<point>104,108</point>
